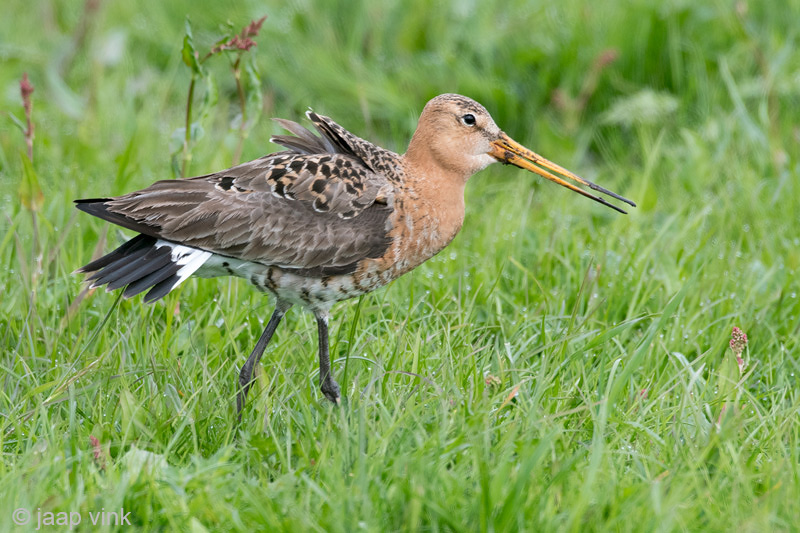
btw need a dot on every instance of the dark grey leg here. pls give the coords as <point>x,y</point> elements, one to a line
<point>326,382</point>
<point>246,374</point>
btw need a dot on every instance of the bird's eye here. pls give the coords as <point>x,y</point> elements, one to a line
<point>468,119</point>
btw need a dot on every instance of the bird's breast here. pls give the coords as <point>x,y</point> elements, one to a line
<point>421,226</point>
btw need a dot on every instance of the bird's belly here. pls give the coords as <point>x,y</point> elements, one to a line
<point>310,292</point>
<point>318,292</point>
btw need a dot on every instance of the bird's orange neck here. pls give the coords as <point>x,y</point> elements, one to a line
<point>434,205</point>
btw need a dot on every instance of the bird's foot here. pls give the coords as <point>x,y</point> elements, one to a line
<point>331,390</point>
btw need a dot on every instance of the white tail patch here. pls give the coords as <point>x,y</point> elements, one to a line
<point>188,258</point>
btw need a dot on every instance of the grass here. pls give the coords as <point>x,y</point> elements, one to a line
<point>558,367</point>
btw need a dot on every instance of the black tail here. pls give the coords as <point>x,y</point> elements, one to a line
<point>140,265</point>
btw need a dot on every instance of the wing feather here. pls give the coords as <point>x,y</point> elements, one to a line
<point>316,213</point>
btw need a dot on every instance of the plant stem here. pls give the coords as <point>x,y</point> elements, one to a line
<point>237,74</point>
<point>27,104</point>
<point>187,155</point>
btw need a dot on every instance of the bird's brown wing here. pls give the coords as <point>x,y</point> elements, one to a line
<point>315,213</point>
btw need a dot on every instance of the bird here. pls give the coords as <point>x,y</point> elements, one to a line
<point>329,218</point>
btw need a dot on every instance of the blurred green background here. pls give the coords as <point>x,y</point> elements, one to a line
<point>567,367</point>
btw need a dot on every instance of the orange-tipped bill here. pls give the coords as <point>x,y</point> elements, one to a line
<point>508,151</point>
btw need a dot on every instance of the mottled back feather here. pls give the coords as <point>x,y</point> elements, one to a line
<point>335,139</point>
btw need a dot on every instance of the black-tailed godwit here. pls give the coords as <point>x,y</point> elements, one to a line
<point>330,218</point>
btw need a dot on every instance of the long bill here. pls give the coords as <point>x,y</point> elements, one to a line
<point>508,151</point>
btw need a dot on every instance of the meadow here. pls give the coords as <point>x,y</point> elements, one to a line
<point>559,367</point>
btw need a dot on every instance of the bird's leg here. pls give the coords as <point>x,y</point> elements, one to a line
<point>326,382</point>
<point>246,374</point>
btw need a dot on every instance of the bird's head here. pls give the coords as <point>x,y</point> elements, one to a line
<point>461,137</point>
